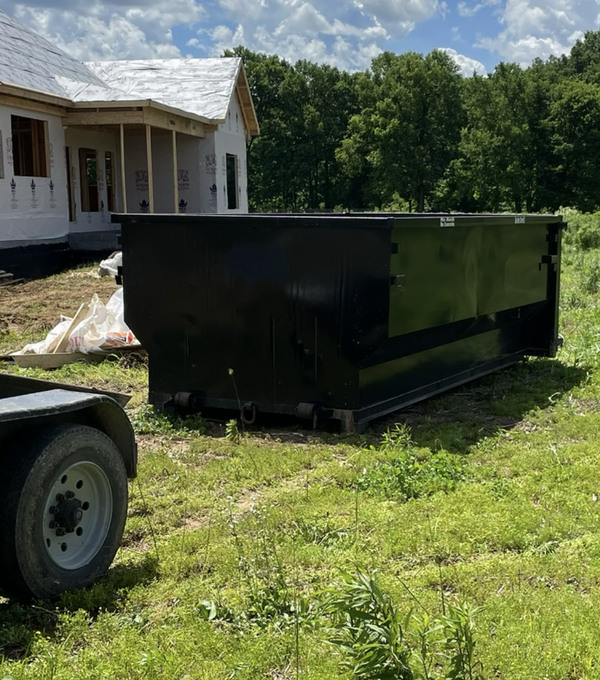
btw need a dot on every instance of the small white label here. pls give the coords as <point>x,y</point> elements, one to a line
<point>446,221</point>
<point>519,219</point>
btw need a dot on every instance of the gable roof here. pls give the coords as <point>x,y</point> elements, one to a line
<point>199,87</point>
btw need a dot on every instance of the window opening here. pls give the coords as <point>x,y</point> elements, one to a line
<point>232,182</point>
<point>70,184</point>
<point>88,170</point>
<point>30,146</point>
<point>110,190</point>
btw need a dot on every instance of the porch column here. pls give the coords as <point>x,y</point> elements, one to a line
<point>150,172</point>
<point>123,184</point>
<point>175,177</point>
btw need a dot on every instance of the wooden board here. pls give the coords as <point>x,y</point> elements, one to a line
<point>55,360</point>
<point>60,344</point>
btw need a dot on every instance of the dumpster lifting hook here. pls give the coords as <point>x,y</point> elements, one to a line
<point>249,413</point>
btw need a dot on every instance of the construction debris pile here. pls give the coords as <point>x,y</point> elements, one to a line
<point>95,331</point>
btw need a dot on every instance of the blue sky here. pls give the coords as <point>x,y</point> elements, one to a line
<point>346,33</point>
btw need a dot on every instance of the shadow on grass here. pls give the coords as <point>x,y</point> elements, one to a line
<point>461,417</point>
<point>21,624</point>
<point>454,420</point>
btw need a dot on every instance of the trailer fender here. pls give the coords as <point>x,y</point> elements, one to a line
<point>56,407</point>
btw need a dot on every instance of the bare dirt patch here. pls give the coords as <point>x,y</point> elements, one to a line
<point>31,309</point>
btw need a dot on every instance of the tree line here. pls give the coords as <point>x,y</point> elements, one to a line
<point>412,134</point>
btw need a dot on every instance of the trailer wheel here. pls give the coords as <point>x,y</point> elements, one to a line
<point>63,505</point>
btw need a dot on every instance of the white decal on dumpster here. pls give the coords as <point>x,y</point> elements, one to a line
<point>446,221</point>
<point>519,219</point>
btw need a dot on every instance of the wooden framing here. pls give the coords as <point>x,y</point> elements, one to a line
<point>30,106</point>
<point>246,104</point>
<point>89,194</point>
<point>108,158</point>
<point>33,100</point>
<point>72,199</point>
<point>175,174</point>
<point>150,169</point>
<point>139,116</point>
<point>46,149</point>
<point>123,183</point>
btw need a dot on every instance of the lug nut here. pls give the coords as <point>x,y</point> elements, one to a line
<point>60,498</point>
<point>69,494</point>
<point>60,531</point>
<point>53,510</point>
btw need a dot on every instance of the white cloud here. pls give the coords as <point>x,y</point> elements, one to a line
<point>465,10</point>
<point>307,20</point>
<point>347,34</point>
<point>540,28</point>
<point>342,52</point>
<point>108,30</point>
<point>223,38</point>
<point>400,13</point>
<point>314,30</point>
<point>467,65</point>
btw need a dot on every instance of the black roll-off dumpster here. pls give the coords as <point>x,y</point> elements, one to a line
<point>335,316</point>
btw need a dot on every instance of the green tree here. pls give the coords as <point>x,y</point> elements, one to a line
<point>506,159</point>
<point>584,59</point>
<point>575,121</point>
<point>303,111</point>
<point>411,133</point>
<point>410,130</point>
<point>329,100</point>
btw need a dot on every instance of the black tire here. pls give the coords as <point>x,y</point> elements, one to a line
<point>34,562</point>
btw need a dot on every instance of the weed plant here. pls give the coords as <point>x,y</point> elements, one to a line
<point>407,472</point>
<point>377,642</point>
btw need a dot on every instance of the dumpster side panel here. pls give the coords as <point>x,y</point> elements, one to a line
<point>255,312</point>
<point>403,380</point>
<point>475,297</point>
<point>451,274</point>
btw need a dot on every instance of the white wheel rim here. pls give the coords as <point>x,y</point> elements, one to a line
<point>77,515</point>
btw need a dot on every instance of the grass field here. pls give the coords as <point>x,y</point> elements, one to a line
<point>458,539</point>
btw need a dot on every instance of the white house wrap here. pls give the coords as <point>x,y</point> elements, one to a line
<point>79,141</point>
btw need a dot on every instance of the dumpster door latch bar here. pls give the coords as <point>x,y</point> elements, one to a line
<point>551,260</point>
<point>397,281</point>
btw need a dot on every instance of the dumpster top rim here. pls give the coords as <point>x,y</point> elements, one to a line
<point>337,220</point>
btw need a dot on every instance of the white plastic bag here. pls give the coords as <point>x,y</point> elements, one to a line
<point>44,346</point>
<point>104,327</point>
<point>110,266</point>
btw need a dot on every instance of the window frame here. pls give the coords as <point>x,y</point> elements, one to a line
<point>30,144</point>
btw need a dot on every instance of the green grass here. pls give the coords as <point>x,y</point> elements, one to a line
<point>237,543</point>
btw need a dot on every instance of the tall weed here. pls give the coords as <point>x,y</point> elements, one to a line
<point>377,642</point>
<point>408,472</point>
